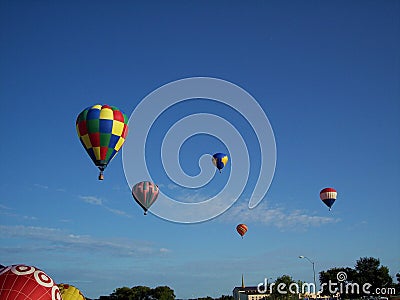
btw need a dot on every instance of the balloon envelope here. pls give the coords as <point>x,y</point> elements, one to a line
<point>20,282</point>
<point>241,229</point>
<point>102,130</point>
<point>145,194</point>
<point>328,196</point>
<point>220,160</point>
<point>69,292</point>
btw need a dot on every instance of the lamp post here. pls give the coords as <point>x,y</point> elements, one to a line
<point>313,267</point>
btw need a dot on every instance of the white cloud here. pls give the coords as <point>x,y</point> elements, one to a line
<point>8,211</point>
<point>92,200</point>
<point>41,186</point>
<point>62,239</point>
<point>192,197</point>
<point>118,212</point>
<point>276,216</point>
<point>172,186</point>
<point>97,201</point>
<point>4,207</point>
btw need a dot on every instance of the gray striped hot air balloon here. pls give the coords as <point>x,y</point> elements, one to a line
<point>145,194</point>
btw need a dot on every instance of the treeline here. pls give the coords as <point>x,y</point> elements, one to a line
<point>223,297</point>
<point>141,293</point>
<point>367,278</point>
<point>146,293</point>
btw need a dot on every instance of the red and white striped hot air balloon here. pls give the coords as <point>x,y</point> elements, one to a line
<point>328,196</point>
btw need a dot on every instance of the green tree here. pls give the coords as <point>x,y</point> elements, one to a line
<point>363,280</point>
<point>162,293</point>
<point>123,293</point>
<point>369,271</point>
<point>336,279</point>
<point>283,289</point>
<point>141,293</point>
<point>134,293</point>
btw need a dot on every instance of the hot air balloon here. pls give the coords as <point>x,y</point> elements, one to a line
<point>102,130</point>
<point>241,229</point>
<point>69,292</point>
<point>328,196</point>
<point>220,160</point>
<point>145,194</point>
<point>20,282</point>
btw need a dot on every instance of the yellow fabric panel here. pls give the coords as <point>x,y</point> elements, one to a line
<point>96,151</point>
<point>119,144</point>
<point>117,128</point>
<point>224,160</point>
<point>86,140</point>
<point>97,106</point>
<point>106,114</point>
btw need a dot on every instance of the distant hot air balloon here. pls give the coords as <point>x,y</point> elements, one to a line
<point>241,229</point>
<point>220,160</point>
<point>328,196</point>
<point>145,193</point>
<point>102,130</point>
<point>20,282</point>
<point>69,292</point>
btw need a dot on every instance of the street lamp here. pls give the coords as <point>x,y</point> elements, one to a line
<point>313,267</point>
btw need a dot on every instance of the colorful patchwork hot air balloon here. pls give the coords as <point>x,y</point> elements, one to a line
<point>241,229</point>
<point>69,292</point>
<point>328,196</point>
<point>220,160</point>
<point>20,282</point>
<point>145,193</point>
<point>102,130</point>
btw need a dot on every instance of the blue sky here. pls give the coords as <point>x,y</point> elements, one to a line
<point>326,73</point>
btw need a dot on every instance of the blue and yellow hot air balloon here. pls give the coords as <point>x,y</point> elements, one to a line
<point>220,160</point>
<point>102,130</point>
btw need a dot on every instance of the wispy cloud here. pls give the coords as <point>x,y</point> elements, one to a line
<point>41,186</point>
<point>9,212</point>
<point>192,197</point>
<point>92,200</point>
<point>61,239</point>
<point>280,217</point>
<point>98,201</point>
<point>4,207</point>
<point>118,212</point>
<point>172,186</point>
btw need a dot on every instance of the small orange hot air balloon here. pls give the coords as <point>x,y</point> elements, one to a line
<point>241,229</point>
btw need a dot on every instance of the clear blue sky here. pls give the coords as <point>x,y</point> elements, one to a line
<point>326,74</point>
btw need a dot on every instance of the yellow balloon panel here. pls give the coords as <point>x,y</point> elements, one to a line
<point>69,292</point>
